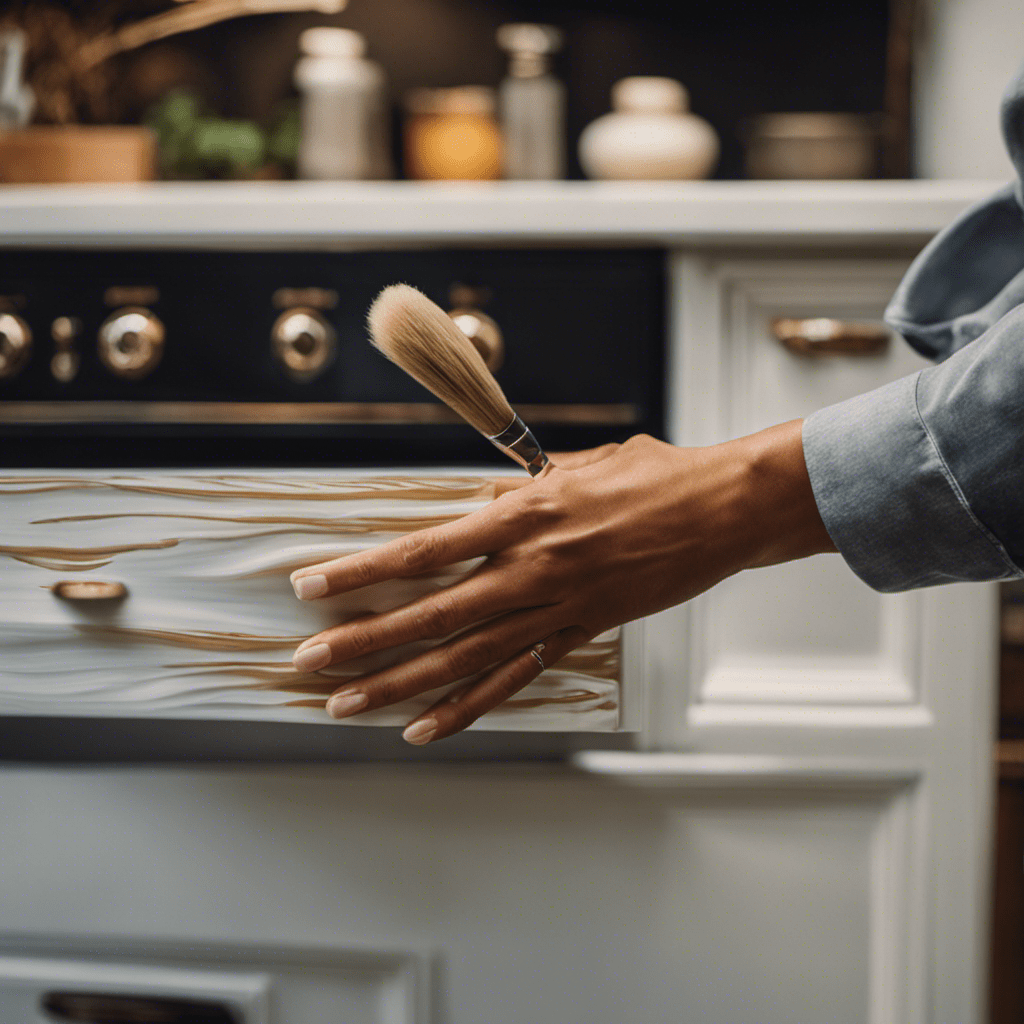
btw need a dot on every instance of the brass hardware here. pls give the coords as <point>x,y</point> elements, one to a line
<point>65,329</point>
<point>476,325</point>
<point>89,590</point>
<point>315,298</point>
<point>131,342</point>
<point>296,412</point>
<point>303,341</point>
<point>823,336</point>
<point>90,1007</point>
<point>15,344</point>
<point>65,361</point>
<point>484,333</point>
<point>64,366</point>
<point>131,295</point>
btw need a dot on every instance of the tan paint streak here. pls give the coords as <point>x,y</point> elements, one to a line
<point>602,661</point>
<point>77,559</point>
<point>227,664</point>
<point>393,488</point>
<point>203,640</point>
<point>277,676</point>
<point>364,524</point>
<point>577,697</point>
<point>83,554</point>
<point>572,697</point>
<point>42,563</point>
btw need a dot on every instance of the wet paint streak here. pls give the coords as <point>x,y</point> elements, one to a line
<point>78,559</point>
<point>572,697</point>
<point>390,488</point>
<point>202,640</point>
<point>576,697</point>
<point>603,661</point>
<point>356,524</point>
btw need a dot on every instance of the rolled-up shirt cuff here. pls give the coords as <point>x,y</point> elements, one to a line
<point>887,499</point>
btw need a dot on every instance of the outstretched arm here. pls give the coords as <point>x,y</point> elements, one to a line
<point>597,540</point>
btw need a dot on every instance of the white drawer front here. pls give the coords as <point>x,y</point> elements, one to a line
<point>808,631</point>
<point>209,623</point>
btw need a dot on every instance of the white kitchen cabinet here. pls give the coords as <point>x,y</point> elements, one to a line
<point>799,832</point>
<point>800,675</point>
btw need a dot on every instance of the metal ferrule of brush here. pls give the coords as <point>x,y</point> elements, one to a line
<point>519,444</point>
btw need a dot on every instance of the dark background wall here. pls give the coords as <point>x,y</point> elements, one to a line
<point>737,57</point>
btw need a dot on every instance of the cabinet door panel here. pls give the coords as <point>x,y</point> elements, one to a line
<point>806,631</point>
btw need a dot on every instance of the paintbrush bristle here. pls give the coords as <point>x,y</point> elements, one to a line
<point>423,340</point>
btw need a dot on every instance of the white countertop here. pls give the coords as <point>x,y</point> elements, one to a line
<point>326,215</point>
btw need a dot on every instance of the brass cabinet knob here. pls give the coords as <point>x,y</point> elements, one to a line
<point>476,325</point>
<point>65,360</point>
<point>89,590</point>
<point>484,333</point>
<point>822,336</point>
<point>15,344</point>
<point>303,341</point>
<point>131,342</point>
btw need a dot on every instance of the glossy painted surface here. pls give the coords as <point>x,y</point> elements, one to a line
<point>208,621</point>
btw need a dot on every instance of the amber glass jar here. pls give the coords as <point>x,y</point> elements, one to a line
<point>452,135</point>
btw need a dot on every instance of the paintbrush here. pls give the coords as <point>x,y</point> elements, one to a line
<point>423,340</point>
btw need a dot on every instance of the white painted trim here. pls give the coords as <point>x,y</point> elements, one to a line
<point>670,769</point>
<point>897,943</point>
<point>898,955</point>
<point>404,974</point>
<point>322,214</point>
<point>811,716</point>
<point>634,713</point>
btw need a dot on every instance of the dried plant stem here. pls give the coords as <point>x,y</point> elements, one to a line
<point>189,16</point>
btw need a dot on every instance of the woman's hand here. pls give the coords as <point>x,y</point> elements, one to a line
<point>600,539</point>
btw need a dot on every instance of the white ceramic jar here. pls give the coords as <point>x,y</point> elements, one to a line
<point>649,135</point>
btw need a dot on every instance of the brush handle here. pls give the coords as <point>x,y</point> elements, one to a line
<point>519,444</point>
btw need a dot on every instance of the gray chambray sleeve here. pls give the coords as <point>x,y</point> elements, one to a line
<point>921,482</point>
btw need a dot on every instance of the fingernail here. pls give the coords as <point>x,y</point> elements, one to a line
<point>308,588</point>
<point>420,732</point>
<point>345,704</point>
<point>309,659</point>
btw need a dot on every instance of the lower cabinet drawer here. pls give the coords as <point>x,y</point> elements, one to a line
<point>206,623</point>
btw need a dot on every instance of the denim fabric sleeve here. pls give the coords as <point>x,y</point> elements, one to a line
<point>921,482</point>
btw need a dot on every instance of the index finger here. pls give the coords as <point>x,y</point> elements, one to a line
<point>478,533</point>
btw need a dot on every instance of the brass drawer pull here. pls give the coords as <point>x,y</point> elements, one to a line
<point>92,1007</point>
<point>89,590</point>
<point>822,336</point>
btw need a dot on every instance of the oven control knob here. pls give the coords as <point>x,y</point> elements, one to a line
<point>15,344</point>
<point>484,333</point>
<point>476,325</point>
<point>131,342</point>
<point>303,341</point>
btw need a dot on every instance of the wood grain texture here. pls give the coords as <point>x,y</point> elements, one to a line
<point>210,621</point>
